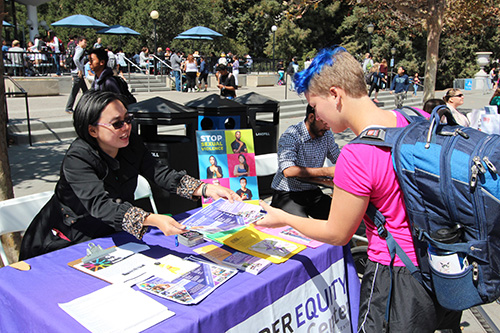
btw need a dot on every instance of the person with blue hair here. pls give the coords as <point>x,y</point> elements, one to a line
<point>334,86</point>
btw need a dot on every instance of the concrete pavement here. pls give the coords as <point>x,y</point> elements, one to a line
<point>35,169</point>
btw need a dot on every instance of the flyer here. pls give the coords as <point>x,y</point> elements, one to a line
<point>191,287</point>
<point>262,245</point>
<point>241,261</point>
<point>222,216</point>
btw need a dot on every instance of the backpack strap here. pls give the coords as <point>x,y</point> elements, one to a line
<point>379,220</point>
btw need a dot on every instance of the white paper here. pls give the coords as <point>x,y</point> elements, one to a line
<point>117,267</point>
<point>116,308</point>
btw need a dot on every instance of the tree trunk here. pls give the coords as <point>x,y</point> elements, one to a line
<point>11,242</point>
<point>434,24</point>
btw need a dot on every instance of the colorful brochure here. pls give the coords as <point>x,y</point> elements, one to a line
<point>291,234</point>
<point>262,245</point>
<point>223,216</point>
<point>191,287</point>
<point>239,260</point>
<point>121,264</point>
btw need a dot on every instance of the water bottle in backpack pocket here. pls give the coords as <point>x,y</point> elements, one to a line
<point>454,280</point>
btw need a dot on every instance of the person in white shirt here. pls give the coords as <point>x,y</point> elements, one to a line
<point>367,63</point>
<point>454,98</point>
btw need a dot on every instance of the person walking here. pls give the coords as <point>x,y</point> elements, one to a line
<point>204,70</point>
<point>77,74</point>
<point>399,86</point>
<point>416,83</point>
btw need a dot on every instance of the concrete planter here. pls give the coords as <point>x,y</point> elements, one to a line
<point>35,86</point>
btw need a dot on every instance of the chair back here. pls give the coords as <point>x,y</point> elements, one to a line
<point>266,164</point>
<point>143,190</point>
<point>16,214</point>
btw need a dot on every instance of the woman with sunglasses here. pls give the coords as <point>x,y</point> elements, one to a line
<point>454,98</point>
<point>94,195</point>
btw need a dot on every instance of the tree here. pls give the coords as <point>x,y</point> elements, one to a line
<point>11,241</point>
<point>433,16</point>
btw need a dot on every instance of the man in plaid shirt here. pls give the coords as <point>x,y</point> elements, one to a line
<point>302,150</point>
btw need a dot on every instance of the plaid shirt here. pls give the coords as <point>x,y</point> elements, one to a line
<point>296,148</point>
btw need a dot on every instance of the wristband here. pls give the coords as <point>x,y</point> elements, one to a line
<point>204,191</point>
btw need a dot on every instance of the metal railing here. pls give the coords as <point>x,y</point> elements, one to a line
<point>20,92</point>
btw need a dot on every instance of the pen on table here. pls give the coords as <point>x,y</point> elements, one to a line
<point>176,240</point>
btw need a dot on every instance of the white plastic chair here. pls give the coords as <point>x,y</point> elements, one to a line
<point>16,214</point>
<point>143,190</point>
<point>266,164</point>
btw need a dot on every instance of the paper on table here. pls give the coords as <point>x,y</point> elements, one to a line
<point>116,308</point>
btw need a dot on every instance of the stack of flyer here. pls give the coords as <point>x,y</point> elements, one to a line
<point>241,261</point>
<point>223,215</point>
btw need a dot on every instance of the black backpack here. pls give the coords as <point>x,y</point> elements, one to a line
<point>124,91</point>
<point>70,53</point>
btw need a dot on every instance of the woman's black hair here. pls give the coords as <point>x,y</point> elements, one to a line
<point>88,111</point>
<point>245,164</point>
<point>215,159</point>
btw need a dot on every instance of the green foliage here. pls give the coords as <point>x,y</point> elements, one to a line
<point>246,26</point>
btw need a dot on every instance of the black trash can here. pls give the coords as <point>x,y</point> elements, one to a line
<point>169,131</point>
<point>264,119</point>
<point>265,132</point>
<point>217,113</point>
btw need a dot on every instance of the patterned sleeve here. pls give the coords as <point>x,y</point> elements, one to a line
<point>133,222</point>
<point>187,186</point>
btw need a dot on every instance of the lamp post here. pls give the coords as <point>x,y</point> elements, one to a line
<point>273,29</point>
<point>154,15</point>
<point>369,28</point>
<point>393,52</point>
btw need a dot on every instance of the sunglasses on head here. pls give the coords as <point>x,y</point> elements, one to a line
<point>119,124</point>
<point>459,95</point>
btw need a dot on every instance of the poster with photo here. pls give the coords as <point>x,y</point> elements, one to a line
<point>227,158</point>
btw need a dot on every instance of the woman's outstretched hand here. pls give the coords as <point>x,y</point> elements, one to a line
<point>275,217</point>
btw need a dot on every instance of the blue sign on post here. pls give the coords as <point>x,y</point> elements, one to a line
<point>468,84</point>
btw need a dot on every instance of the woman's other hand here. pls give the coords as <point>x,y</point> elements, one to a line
<point>165,223</point>
<point>216,191</point>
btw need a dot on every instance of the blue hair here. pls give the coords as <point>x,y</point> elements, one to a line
<point>323,58</point>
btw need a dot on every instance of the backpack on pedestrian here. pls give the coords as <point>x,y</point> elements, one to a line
<point>450,180</point>
<point>62,50</point>
<point>70,53</point>
<point>124,90</point>
<point>369,78</point>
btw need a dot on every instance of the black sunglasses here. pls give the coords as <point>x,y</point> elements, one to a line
<point>459,95</point>
<point>119,124</point>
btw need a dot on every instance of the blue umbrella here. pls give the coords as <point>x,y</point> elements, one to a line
<point>200,32</point>
<point>79,21</point>
<point>7,24</point>
<point>194,37</point>
<point>118,30</point>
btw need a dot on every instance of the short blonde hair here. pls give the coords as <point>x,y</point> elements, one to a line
<point>333,68</point>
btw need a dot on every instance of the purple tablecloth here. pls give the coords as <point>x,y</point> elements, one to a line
<point>29,300</point>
